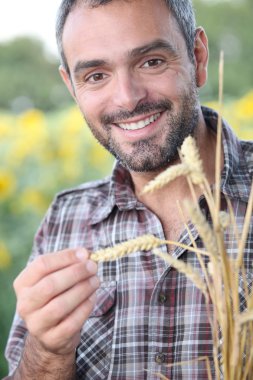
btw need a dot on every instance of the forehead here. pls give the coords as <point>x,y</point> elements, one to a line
<point>120,25</point>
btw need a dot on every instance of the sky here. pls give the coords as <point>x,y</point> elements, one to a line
<point>29,17</point>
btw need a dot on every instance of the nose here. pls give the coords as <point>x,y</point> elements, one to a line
<point>128,91</point>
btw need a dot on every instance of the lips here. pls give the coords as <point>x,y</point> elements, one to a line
<point>139,124</point>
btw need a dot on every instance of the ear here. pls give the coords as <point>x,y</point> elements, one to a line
<point>67,80</point>
<point>201,56</point>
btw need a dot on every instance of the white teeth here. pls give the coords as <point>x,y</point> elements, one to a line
<point>140,124</point>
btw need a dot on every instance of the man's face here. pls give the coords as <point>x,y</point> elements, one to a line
<point>132,79</point>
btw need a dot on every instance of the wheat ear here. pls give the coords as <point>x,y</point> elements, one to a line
<point>190,156</point>
<point>165,177</point>
<point>142,243</point>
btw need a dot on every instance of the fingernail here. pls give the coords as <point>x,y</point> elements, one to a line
<point>82,254</point>
<point>94,281</point>
<point>91,266</point>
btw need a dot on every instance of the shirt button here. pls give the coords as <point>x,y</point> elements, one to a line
<point>160,358</point>
<point>162,298</point>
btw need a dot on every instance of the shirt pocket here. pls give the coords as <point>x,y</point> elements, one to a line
<point>106,295</point>
<point>93,355</point>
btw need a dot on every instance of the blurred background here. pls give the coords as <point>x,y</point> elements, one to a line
<point>45,145</point>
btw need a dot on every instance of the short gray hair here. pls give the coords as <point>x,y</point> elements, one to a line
<point>182,10</point>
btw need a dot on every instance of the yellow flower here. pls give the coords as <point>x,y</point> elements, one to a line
<point>5,257</point>
<point>244,107</point>
<point>32,199</point>
<point>6,126</point>
<point>73,122</point>
<point>68,147</point>
<point>31,137</point>
<point>214,105</point>
<point>7,184</point>
<point>31,119</point>
<point>71,169</point>
<point>99,157</point>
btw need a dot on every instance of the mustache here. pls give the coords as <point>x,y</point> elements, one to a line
<point>141,109</point>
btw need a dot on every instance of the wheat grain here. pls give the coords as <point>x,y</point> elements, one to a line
<point>142,243</point>
<point>190,156</point>
<point>165,177</point>
<point>224,219</point>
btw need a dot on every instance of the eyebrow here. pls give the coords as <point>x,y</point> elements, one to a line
<point>154,45</point>
<point>82,65</point>
<point>144,49</point>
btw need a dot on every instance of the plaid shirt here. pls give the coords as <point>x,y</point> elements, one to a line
<point>147,315</point>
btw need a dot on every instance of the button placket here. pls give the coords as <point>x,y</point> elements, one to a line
<point>162,298</point>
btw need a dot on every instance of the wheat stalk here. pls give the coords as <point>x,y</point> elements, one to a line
<point>202,358</point>
<point>222,278</point>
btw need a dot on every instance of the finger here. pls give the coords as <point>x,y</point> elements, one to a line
<point>51,286</point>
<point>59,338</point>
<point>60,307</point>
<point>49,263</point>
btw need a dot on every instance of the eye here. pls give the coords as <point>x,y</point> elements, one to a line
<point>95,78</point>
<point>153,62</point>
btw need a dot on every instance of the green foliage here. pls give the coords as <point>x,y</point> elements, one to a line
<point>229,28</point>
<point>29,77</point>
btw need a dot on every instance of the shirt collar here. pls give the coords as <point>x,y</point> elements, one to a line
<point>235,178</point>
<point>122,189</point>
<point>120,194</point>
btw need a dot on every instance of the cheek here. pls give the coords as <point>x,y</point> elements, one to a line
<point>170,86</point>
<point>91,106</point>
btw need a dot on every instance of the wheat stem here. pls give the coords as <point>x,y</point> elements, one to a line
<point>219,138</point>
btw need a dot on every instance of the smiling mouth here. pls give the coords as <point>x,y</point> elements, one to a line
<point>139,124</point>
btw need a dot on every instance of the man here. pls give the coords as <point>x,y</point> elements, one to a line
<point>133,67</point>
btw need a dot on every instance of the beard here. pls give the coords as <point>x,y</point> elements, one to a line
<point>158,151</point>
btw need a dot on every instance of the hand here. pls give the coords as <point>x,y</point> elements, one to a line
<point>55,296</point>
